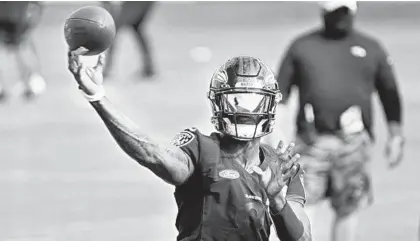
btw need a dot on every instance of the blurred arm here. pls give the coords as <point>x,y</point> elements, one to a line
<point>286,80</point>
<point>168,162</point>
<point>286,76</point>
<point>387,88</point>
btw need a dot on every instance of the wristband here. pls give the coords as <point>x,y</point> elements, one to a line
<point>95,97</point>
<point>288,225</point>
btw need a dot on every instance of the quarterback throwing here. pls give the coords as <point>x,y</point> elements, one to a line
<point>228,185</point>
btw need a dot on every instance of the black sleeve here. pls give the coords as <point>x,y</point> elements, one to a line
<point>296,190</point>
<point>386,85</point>
<point>187,140</point>
<point>287,73</point>
<point>287,224</point>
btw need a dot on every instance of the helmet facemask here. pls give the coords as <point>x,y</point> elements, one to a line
<point>244,113</point>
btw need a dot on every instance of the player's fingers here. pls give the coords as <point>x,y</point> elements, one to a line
<point>289,149</point>
<point>291,172</point>
<point>290,164</point>
<point>80,51</point>
<point>279,149</point>
<point>295,158</point>
<point>73,63</point>
<point>101,61</point>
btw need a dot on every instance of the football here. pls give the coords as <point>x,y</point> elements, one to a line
<point>91,27</point>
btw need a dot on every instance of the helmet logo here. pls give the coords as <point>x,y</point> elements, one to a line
<point>221,77</point>
<point>270,79</point>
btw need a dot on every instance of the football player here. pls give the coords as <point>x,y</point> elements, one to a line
<point>132,15</point>
<point>228,185</point>
<point>17,20</point>
<point>336,69</point>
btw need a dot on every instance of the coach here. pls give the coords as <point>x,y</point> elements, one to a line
<point>336,69</point>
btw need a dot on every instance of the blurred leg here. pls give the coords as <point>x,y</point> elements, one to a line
<point>3,93</point>
<point>344,228</point>
<point>316,164</point>
<point>28,64</point>
<point>114,8</point>
<point>418,231</point>
<point>110,53</point>
<point>7,29</point>
<point>351,188</point>
<point>142,39</point>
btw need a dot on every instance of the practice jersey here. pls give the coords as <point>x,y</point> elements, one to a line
<point>221,200</point>
<point>333,75</point>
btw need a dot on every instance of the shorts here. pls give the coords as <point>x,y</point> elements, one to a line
<point>13,33</point>
<point>337,169</point>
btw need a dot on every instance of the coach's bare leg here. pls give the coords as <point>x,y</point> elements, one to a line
<point>148,69</point>
<point>110,53</point>
<point>28,63</point>
<point>419,231</point>
<point>311,211</point>
<point>344,227</point>
<point>3,94</point>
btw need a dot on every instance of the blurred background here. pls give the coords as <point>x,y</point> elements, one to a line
<point>63,178</point>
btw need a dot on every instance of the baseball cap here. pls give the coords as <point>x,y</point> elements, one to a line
<point>331,6</point>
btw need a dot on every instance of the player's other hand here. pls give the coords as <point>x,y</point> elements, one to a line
<point>286,167</point>
<point>394,150</point>
<point>90,79</point>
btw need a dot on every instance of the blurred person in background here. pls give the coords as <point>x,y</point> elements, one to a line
<point>17,20</point>
<point>131,15</point>
<point>227,185</point>
<point>336,69</point>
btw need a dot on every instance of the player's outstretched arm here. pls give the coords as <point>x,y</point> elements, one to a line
<point>168,162</point>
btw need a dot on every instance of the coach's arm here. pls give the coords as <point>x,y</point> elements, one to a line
<point>286,80</point>
<point>387,87</point>
<point>168,162</point>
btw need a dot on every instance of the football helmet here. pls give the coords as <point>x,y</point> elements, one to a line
<point>244,95</point>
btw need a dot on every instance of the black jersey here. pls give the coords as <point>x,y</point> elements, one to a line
<point>221,200</point>
<point>333,75</point>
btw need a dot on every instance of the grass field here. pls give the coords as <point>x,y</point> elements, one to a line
<point>63,178</point>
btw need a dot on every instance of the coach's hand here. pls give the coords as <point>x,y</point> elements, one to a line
<point>90,79</point>
<point>394,150</point>
<point>277,178</point>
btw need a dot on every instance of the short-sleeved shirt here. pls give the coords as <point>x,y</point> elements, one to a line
<point>221,200</point>
<point>333,75</point>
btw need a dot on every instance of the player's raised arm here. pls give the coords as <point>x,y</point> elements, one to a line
<point>168,162</point>
<point>287,211</point>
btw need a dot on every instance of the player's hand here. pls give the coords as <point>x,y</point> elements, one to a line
<point>285,168</point>
<point>394,150</point>
<point>90,79</point>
